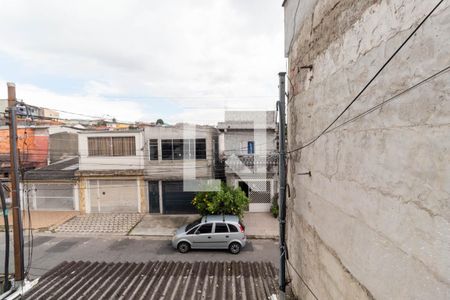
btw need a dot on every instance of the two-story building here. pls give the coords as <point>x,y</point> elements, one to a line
<point>111,171</point>
<point>248,148</point>
<point>177,155</point>
<point>145,170</point>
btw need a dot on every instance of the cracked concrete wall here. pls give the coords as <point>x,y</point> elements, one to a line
<point>373,221</point>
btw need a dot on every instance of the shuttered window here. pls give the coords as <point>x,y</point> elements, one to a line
<point>112,146</point>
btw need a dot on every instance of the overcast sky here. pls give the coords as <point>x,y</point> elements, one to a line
<point>184,60</point>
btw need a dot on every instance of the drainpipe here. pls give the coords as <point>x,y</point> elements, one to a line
<point>282,188</point>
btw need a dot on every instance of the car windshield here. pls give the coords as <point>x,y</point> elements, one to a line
<point>193,224</point>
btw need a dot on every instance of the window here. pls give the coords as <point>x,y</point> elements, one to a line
<point>193,224</point>
<point>179,149</point>
<point>251,147</point>
<point>111,146</point>
<point>166,149</point>
<point>153,145</point>
<point>206,228</point>
<point>124,146</point>
<point>189,149</point>
<point>192,231</point>
<point>233,228</point>
<point>99,146</point>
<point>200,149</point>
<point>221,228</point>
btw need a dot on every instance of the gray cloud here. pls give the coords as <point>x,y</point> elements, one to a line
<point>226,48</point>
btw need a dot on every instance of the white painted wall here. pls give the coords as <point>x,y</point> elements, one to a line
<point>111,162</point>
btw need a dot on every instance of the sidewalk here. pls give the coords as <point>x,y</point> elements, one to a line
<point>41,220</point>
<point>161,225</point>
<point>101,223</point>
<point>261,225</point>
<point>257,225</point>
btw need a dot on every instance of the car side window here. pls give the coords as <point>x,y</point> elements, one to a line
<point>221,228</point>
<point>205,228</point>
<point>192,231</point>
<point>233,228</point>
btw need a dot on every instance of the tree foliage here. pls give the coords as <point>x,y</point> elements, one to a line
<point>227,200</point>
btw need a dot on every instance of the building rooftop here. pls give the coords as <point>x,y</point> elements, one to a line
<point>157,280</point>
<point>63,169</point>
<point>111,131</point>
<point>248,120</point>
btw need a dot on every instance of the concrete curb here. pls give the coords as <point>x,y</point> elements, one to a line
<point>249,236</point>
<point>262,237</point>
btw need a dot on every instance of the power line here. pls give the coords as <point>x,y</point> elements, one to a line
<point>301,278</point>
<point>370,81</point>
<point>187,97</point>
<point>372,109</point>
<point>118,186</point>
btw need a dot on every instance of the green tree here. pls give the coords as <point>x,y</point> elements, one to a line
<point>227,200</point>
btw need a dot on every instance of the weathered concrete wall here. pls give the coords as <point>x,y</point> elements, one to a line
<point>62,145</point>
<point>373,221</point>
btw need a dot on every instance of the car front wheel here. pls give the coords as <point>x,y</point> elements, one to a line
<point>183,247</point>
<point>235,248</point>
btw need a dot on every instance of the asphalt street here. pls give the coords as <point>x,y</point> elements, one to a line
<point>50,250</point>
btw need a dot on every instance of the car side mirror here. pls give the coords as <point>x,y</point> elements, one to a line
<point>197,232</point>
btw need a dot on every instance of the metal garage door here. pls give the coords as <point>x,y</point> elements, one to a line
<point>113,196</point>
<point>177,201</point>
<point>52,196</point>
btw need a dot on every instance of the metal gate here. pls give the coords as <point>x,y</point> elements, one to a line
<point>113,196</point>
<point>259,193</point>
<point>153,196</point>
<point>175,200</point>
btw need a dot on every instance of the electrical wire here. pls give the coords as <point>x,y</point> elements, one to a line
<point>6,282</point>
<point>303,281</point>
<point>374,108</point>
<point>27,210</point>
<point>30,235</point>
<point>394,97</point>
<point>313,140</point>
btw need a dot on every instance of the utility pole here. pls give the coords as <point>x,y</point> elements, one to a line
<point>282,189</point>
<point>15,187</point>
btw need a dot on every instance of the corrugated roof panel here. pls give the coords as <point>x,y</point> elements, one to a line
<point>158,280</point>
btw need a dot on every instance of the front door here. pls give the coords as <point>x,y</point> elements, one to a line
<point>153,196</point>
<point>202,238</point>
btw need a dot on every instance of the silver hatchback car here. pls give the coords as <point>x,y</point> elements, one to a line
<point>211,232</point>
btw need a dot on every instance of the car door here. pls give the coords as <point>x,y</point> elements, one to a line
<point>235,234</point>
<point>221,236</point>
<point>202,239</point>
